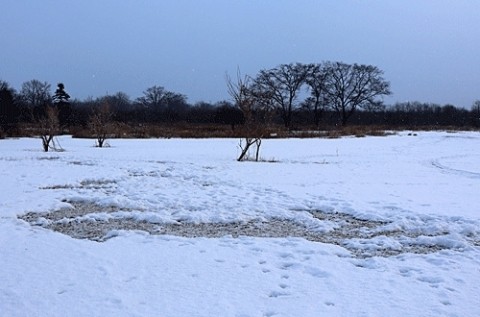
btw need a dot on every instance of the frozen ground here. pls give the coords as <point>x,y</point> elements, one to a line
<point>377,226</point>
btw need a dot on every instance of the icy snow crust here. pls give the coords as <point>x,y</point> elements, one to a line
<point>339,227</point>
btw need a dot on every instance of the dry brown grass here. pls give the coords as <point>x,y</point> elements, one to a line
<point>194,130</point>
<point>177,130</point>
<point>189,130</point>
<point>334,132</point>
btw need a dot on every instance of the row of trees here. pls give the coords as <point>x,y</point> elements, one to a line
<point>336,86</point>
<point>293,95</point>
<point>156,105</point>
<point>341,91</point>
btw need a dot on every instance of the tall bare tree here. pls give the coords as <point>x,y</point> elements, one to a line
<point>349,87</point>
<point>316,81</point>
<point>153,96</point>
<point>158,101</point>
<point>246,101</point>
<point>119,104</point>
<point>35,95</point>
<point>283,84</point>
<point>36,98</point>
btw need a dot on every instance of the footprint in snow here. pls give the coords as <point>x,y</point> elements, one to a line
<point>316,272</point>
<point>286,255</point>
<point>288,266</point>
<point>276,294</point>
<point>432,280</point>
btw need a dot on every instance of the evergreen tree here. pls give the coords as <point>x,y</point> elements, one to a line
<point>61,101</point>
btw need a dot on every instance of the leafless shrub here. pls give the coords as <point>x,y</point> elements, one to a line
<point>49,127</point>
<point>254,105</point>
<point>100,124</point>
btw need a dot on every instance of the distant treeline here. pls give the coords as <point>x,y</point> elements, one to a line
<point>159,106</point>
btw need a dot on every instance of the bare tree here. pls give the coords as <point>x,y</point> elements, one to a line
<point>35,95</point>
<point>119,104</point>
<point>283,84</point>
<point>316,81</point>
<point>349,87</point>
<point>49,128</point>
<point>158,101</point>
<point>246,102</point>
<point>153,97</point>
<point>101,123</point>
<point>119,101</point>
<point>37,101</point>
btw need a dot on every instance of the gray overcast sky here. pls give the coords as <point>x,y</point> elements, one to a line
<point>428,49</point>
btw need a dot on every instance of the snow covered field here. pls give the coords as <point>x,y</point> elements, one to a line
<point>376,226</point>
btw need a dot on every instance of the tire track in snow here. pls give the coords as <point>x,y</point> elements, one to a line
<point>455,171</point>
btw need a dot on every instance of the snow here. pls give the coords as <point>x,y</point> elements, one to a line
<point>374,226</point>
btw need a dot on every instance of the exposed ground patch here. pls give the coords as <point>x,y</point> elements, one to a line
<point>86,184</point>
<point>363,238</point>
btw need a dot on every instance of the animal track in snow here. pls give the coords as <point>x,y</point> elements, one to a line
<point>278,294</point>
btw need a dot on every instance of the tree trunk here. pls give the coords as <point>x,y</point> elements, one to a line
<point>46,139</point>
<point>258,142</point>
<point>248,143</point>
<point>45,146</point>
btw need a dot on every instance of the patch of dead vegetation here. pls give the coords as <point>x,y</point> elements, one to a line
<point>85,184</point>
<point>211,130</point>
<point>355,234</point>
